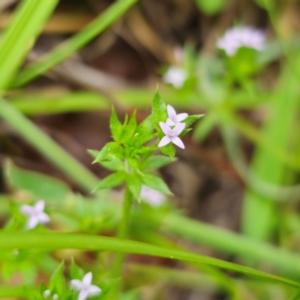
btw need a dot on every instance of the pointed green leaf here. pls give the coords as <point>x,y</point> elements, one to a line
<point>111,151</point>
<point>57,281</point>
<point>37,184</point>
<point>159,110</point>
<point>125,121</point>
<point>156,162</point>
<point>133,162</point>
<point>156,183</point>
<point>204,127</point>
<point>94,153</point>
<point>76,272</point>
<point>191,119</point>
<point>115,126</point>
<point>135,185</point>
<point>129,129</point>
<point>144,131</point>
<point>188,122</point>
<point>111,163</point>
<point>145,150</point>
<point>107,285</point>
<point>168,150</point>
<point>112,180</point>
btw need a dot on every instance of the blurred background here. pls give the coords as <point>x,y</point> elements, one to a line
<point>240,168</point>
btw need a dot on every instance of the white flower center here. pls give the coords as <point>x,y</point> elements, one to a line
<point>171,135</point>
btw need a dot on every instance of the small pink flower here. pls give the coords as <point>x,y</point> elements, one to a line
<point>171,135</point>
<point>35,214</point>
<point>85,288</point>
<point>173,117</point>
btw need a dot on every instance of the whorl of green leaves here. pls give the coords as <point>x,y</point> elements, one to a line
<point>131,154</point>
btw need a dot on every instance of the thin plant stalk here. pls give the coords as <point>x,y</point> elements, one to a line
<point>123,228</point>
<point>122,234</point>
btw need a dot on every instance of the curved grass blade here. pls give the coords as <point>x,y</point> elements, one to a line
<point>72,102</point>
<point>267,166</point>
<point>76,42</point>
<point>88,242</point>
<point>288,263</point>
<point>47,147</point>
<point>28,20</point>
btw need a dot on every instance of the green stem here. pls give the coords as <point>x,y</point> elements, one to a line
<point>122,234</point>
<point>123,229</point>
<point>47,147</point>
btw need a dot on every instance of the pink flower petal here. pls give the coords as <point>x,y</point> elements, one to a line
<point>181,117</point>
<point>164,141</point>
<point>32,222</point>
<point>27,210</point>
<point>39,206</point>
<point>178,128</point>
<point>83,295</point>
<point>170,122</point>
<point>178,142</point>
<point>165,128</point>
<point>87,279</point>
<point>43,218</point>
<point>76,284</point>
<point>171,112</point>
<point>93,290</point>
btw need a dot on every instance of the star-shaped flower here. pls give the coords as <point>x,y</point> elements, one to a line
<point>175,76</point>
<point>35,214</point>
<point>173,117</point>
<point>238,37</point>
<point>85,288</point>
<point>171,135</point>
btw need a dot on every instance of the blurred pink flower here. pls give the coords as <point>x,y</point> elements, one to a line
<point>235,38</point>
<point>175,76</point>
<point>151,196</point>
